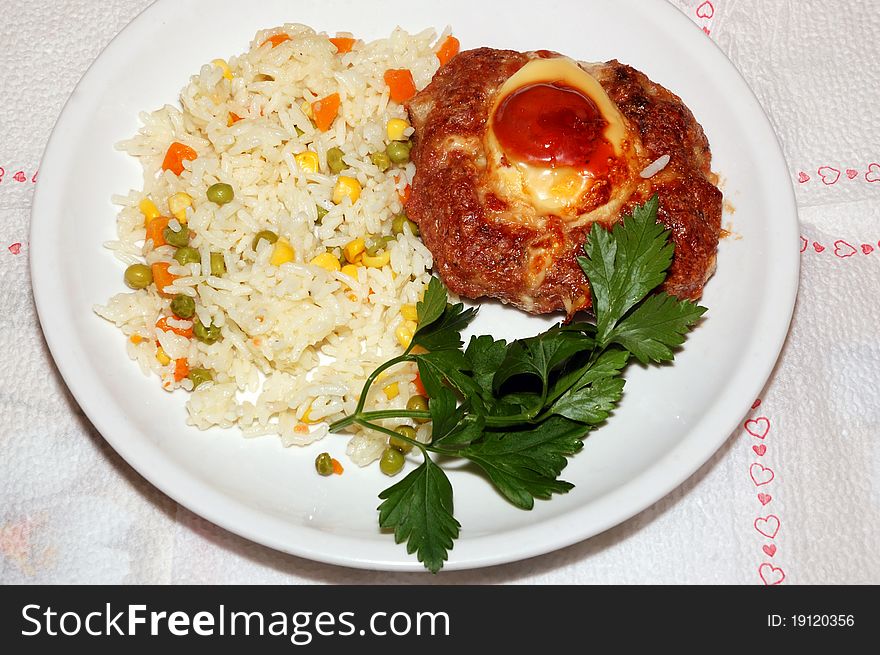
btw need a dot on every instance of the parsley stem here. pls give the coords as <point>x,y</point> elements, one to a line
<point>392,433</point>
<point>359,410</point>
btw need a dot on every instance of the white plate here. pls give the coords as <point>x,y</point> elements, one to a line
<point>671,420</point>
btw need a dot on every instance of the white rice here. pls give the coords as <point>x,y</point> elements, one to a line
<point>298,340</point>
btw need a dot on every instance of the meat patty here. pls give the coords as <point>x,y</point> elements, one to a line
<point>488,240</point>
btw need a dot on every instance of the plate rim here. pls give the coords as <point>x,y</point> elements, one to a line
<point>229,513</point>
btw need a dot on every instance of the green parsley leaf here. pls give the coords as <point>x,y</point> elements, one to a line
<point>419,510</point>
<point>525,464</point>
<point>539,355</point>
<point>656,326</point>
<point>625,264</point>
<point>444,332</point>
<point>485,355</point>
<point>591,403</point>
<point>432,304</point>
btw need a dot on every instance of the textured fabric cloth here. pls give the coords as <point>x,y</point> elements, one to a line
<point>792,496</point>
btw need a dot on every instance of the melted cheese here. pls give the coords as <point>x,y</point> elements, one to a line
<point>556,189</point>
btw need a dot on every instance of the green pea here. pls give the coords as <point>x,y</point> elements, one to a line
<point>381,160</point>
<point>321,213</point>
<point>206,334</point>
<point>418,404</point>
<point>199,376</point>
<point>334,160</point>
<point>177,239</point>
<point>400,222</point>
<point>218,264</point>
<point>391,461</point>
<point>183,306</point>
<point>187,255</point>
<point>324,464</point>
<point>264,235</point>
<point>378,245</point>
<point>138,276</point>
<point>220,193</point>
<point>403,445</point>
<point>398,151</point>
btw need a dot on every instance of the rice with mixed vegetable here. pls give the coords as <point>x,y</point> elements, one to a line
<point>272,265</point>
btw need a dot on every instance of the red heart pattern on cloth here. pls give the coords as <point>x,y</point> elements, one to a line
<point>842,249</point>
<point>818,247</point>
<point>760,449</point>
<point>873,173</point>
<point>757,403</point>
<point>829,174</point>
<point>758,427</point>
<point>764,498</point>
<point>803,177</point>
<point>761,475</point>
<point>804,244</point>
<point>851,173</point>
<point>15,248</point>
<point>770,549</point>
<point>768,526</point>
<point>706,10</point>
<point>20,177</point>
<point>770,575</point>
<point>867,248</point>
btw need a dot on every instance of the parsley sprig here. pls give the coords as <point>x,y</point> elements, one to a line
<point>519,410</point>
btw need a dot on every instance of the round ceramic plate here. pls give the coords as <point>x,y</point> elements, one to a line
<point>672,418</point>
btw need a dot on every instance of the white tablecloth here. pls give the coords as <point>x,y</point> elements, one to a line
<point>792,496</point>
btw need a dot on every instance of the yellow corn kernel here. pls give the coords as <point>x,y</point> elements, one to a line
<point>346,187</point>
<point>351,271</point>
<point>395,129</point>
<point>405,332</point>
<point>306,107</point>
<point>308,161</point>
<point>327,261</point>
<point>282,252</point>
<point>306,417</point>
<point>227,73</point>
<point>409,312</point>
<point>378,261</point>
<point>163,359</point>
<point>149,210</point>
<point>392,390</point>
<point>177,205</point>
<point>353,250</point>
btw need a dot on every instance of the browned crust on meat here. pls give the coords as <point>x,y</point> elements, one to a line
<point>478,251</point>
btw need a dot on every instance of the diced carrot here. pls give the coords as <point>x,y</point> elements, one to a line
<point>177,152</point>
<point>301,428</point>
<point>233,119</point>
<point>162,324</point>
<point>448,49</point>
<point>155,228</point>
<point>404,195</point>
<point>135,339</point>
<point>343,44</point>
<point>420,388</point>
<point>162,277</point>
<point>181,369</point>
<point>337,467</point>
<point>400,82</point>
<point>276,39</point>
<point>325,111</point>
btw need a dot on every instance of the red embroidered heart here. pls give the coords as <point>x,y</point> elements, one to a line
<point>828,174</point>
<point>803,177</point>
<point>851,173</point>
<point>873,174</point>
<point>867,248</point>
<point>757,403</point>
<point>818,247</point>
<point>15,248</point>
<point>804,244</point>
<point>706,10</point>
<point>758,427</point>
<point>760,449</point>
<point>760,475</point>
<point>842,249</point>
<point>770,574</point>
<point>770,549</point>
<point>20,177</point>
<point>768,526</point>
<point>765,498</point>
